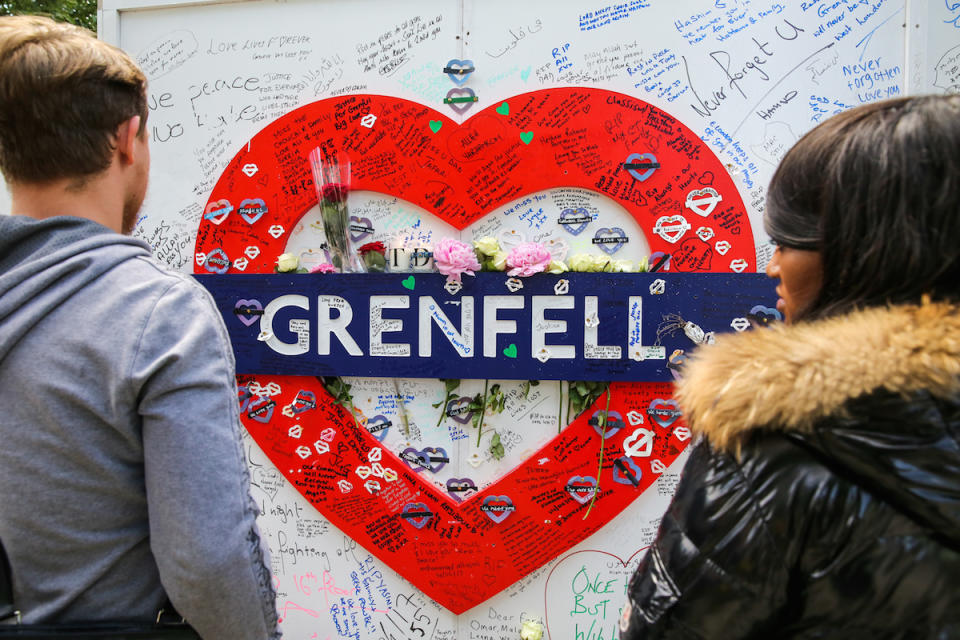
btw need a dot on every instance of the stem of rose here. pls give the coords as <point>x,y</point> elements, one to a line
<point>560,409</point>
<point>403,408</point>
<point>603,439</point>
<point>483,410</point>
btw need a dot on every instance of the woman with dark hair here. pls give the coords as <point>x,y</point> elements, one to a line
<point>822,499</point>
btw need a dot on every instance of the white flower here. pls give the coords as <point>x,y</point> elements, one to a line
<point>287,262</point>
<point>531,630</point>
<point>622,266</point>
<point>557,266</point>
<point>488,246</point>
<point>580,262</point>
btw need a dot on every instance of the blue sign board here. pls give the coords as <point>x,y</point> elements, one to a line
<point>572,326</point>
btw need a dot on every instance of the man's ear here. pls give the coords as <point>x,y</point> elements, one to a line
<point>126,139</point>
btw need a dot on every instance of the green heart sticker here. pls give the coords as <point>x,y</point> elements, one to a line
<point>435,125</point>
<point>409,282</point>
<point>526,136</point>
<point>511,351</point>
<point>504,109</point>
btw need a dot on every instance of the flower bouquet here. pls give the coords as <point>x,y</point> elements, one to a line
<point>331,177</point>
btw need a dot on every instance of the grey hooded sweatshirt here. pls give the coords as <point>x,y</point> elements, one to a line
<point>122,475</point>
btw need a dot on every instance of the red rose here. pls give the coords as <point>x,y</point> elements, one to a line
<point>372,246</point>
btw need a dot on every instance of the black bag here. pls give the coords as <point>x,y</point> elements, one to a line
<point>10,627</point>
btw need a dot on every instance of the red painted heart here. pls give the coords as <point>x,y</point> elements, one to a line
<point>459,172</point>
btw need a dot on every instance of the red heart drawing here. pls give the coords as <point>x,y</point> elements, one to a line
<point>467,551</point>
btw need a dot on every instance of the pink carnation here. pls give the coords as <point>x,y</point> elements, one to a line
<point>454,258</point>
<point>324,267</point>
<point>528,258</point>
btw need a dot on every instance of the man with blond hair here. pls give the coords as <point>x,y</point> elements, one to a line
<point>123,486</point>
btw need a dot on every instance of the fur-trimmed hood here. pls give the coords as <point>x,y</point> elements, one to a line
<point>874,394</point>
<point>789,377</point>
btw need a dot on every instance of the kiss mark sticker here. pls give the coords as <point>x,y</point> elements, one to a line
<point>200,258</point>
<point>453,287</point>
<point>738,265</point>
<point>634,418</point>
<point>240,264</point>
<point>663,413</point>
<point>276,230</point>
<point>626,471</point>
<point>562,287</point>
<point>368,121</point>
<point>250,170</point>
<point>722,247</point>
<point>703,201</point>
<point>610,240</point>
<point>217,262</point>
<point>375,454</point>
<point>740,324</point>
<point>252,252</point>
<point>657,287</point>
<point>514,284</point>
<point>497,508</point>
<point>344,486</point>
<point>321,447</point>
<point>328,434</point>
<point>639,443</point>
<point>372,486</point>
<point>581,488</point>
<point>295,431</point>
<point>671,228</point>
<point>657,466</point>
<point>682,434</point>
<point>574,221</point>
<point>705,234</point>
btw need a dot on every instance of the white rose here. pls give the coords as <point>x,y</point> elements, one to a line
<point>488,246</point>
<point>287,262</point>
<point>580,262</point>
<point>557,266</point>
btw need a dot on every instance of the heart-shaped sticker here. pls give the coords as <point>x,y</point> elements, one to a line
<point>378,425</point>
<point>360,228</point>
<point>304,401</point>
<point>417,514</point>
<point>613,424</point>
<point>671,228</point>
<point>459,71</point>
<point>217,261</point>
<point>465,99</point>
<point>461,488</point>
<point>217,212</point>
<point>642,174</point>
<point>581,488</point>
<point>261,409</point>
<point>252,210</point>
<point>703,201</point>
<point>626,471</point>
<point>663,413</point>
<point>497,508</point>
<point>639,443</point>
<point>459,409</point>
<point>248,311</point>
<point>574,221</point>
<point>610,240</point>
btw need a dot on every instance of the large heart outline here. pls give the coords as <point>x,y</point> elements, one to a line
<point>477,536</point>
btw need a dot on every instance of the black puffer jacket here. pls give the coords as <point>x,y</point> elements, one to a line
<point>823,500</point>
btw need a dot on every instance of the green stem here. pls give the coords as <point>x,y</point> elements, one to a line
<point>403,408</point>
<point>560,409</point>
<point>603,439</point>
<point>483,410</point>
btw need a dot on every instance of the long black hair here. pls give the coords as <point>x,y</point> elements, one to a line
<point>876,190</point>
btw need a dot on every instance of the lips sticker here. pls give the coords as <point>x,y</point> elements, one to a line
<point>466,533</point>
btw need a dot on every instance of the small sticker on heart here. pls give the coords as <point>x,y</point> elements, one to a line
<point>503,109</point>
<point>671,228</point>
<point>511,351</point>
<point>526,136</point>
<point>409,283</point>
<point>703,201</point>
<point>435,125</point>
